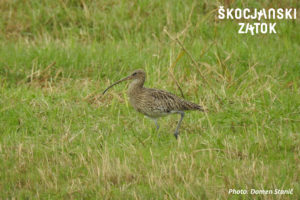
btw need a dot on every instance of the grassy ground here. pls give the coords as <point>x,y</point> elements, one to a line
<point>60,138</point>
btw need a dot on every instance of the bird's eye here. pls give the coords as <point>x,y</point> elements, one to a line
<point>134,74</point>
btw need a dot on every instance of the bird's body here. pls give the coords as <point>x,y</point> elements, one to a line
<point>155,103</point>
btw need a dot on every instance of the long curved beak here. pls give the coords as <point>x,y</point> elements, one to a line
<point>124,79</point>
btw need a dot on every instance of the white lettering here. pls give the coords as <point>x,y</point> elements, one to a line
<point>263,28</point>
<point>238,13</point>
<point>271,13</point>
<point>254,191</point>
<point>242,26</point>
<point>246,13</point>
<point>221,12</point>
<point>254,16</point>
<point>289,191</point>
<point>262,13</point>
<point>256,27</point>
<point>229,13</point>
<point>249,27</point>
<point>234,191</point>
<point>280,13</point>
<point>288,14</point>
<point>272,28</point>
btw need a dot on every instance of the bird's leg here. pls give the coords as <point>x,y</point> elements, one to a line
<point>155,121</point>
<point>157,126</point>
<point>178,125</point>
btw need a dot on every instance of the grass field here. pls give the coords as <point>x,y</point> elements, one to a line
<point>61,139</point>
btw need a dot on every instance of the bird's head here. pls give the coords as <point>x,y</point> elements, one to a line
<point>136,75</point>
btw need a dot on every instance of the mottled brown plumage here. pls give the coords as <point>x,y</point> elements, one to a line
<point>155,103</point>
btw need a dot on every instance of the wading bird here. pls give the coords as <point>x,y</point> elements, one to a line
<point>154,103</point>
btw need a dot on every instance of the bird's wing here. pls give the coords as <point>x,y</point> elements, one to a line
<point>168,102</point>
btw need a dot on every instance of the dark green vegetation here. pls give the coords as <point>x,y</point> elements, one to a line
<point>59,138</point>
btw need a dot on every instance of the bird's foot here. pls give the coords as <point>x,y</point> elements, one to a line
<point>176,134</point>
<point>157,128</point>
<point>158,135</point>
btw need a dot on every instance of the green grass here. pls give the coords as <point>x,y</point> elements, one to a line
<point>60,138</point>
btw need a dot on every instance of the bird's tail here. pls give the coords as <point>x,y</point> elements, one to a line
<point>193,106</point>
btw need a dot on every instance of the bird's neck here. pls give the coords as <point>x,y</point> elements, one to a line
<point>135,85</point>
